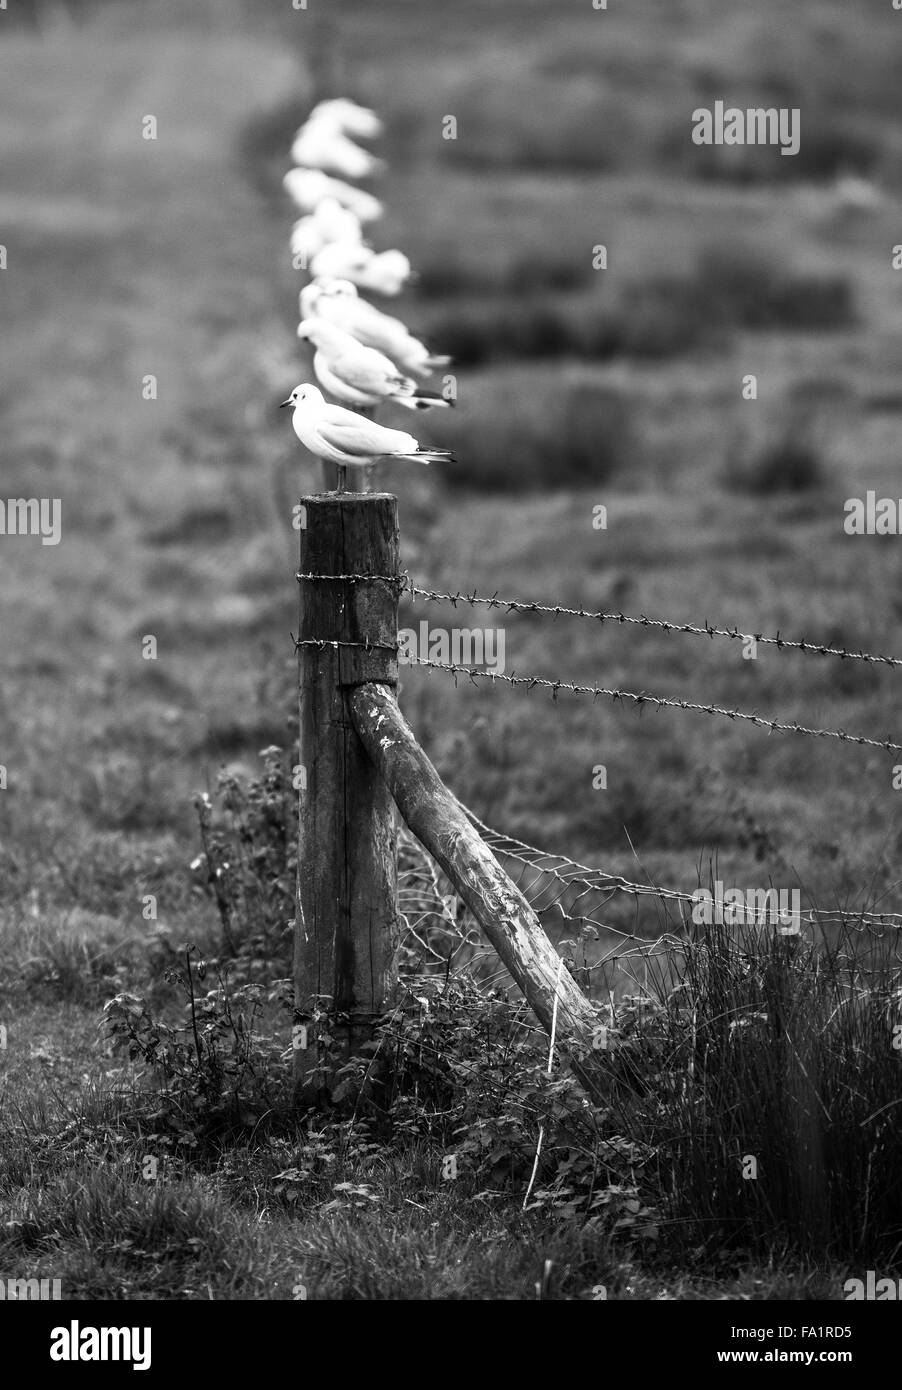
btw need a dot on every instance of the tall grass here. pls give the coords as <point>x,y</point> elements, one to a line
<point>777,1054</point>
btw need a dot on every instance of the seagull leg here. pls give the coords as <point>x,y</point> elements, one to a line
<point>342,477</point>
<point>369,469</point>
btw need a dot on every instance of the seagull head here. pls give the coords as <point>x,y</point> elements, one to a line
<point>319,332</point>
<point>388,272</point>
<point>305,394</point>
<point>338,287</point>
<point>306,186</point>
<point>349,116</point>
<point>396,263</point>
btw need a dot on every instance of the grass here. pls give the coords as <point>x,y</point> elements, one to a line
<point>658,316</point>
<point>80,1211</point>
<point>620,387</point>
<point>770,1032</point>
<point>125,1185</point>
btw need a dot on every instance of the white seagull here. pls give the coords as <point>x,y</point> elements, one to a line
<point>306,239</point>
<point>330,222</point>
<point>358,375</point>
<point>386,272</point>
<point>309,235</point>
<point>322,144</point>
<point>344,437</point>
<point>338,301</point>
<point>347,258</point>
<point>351,119</point>
<point>335,222</point>
<point>308,187</point>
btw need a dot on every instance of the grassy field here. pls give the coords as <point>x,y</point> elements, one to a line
<point>129,258</point>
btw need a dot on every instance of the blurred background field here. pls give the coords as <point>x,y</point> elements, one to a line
<point>577,387</point>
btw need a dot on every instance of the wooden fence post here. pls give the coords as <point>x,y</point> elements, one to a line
<point>346,929</point>
<point>325,60</point>
<point>438,821</point>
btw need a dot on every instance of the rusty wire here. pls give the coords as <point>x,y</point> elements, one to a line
<point>569,873</point>
<point>710,630</point>
<point>638,698</point>
<point>659,701</point>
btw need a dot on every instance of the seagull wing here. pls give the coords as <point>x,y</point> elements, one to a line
<point>363,205</point>
<point>358,437</point>
<point>342,258</point>
<point>367,370</point>
<point>368,313</point>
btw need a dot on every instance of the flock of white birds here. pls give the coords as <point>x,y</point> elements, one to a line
<point>362,356</point>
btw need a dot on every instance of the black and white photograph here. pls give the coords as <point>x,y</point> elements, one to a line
<point>451,670</point>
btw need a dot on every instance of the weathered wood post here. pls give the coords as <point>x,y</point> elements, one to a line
<point>325,59</point>
<point>439,823</point>
<point>346,930</point>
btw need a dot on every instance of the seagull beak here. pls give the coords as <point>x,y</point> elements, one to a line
<point>284,403</point>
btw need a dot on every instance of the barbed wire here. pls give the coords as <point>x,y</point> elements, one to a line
<point>709,630</point>
<point>599,880</point>
<point>559,875</point>
<point>323,642</point>
<point>403,581</point>
<point>400,580</point>
<point>419,894</point>
<point>611,692</point>
<point>659,701</point>
<point>570,873</point>
<point>565,874</point>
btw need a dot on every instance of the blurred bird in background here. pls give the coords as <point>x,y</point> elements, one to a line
<point>320,144</point>
<point>308,187</point>
<point>349,117</point>
<point>384,272</point>
<point>358,375</point>
<point>330,222</point>
<point>339,302</point>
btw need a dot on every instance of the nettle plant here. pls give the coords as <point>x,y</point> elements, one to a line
<point>248,861</point>
<point>455,1068</point>
<point>216,1069</point>
<point>465,1070</point>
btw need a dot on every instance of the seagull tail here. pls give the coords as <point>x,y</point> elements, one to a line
<point>420,400</point>
<point>404,385</point>
<point>434,362</point>
<point>429,456</point>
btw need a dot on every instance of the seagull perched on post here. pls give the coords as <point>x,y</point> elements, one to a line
<point>350,118</point>
<point>351,440</point>
<point>338,301</point>
<point>358,375</point>
<point>308,187</point>
<point>322,144</point>
<point>385,272</point>
<point>327,223</point>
